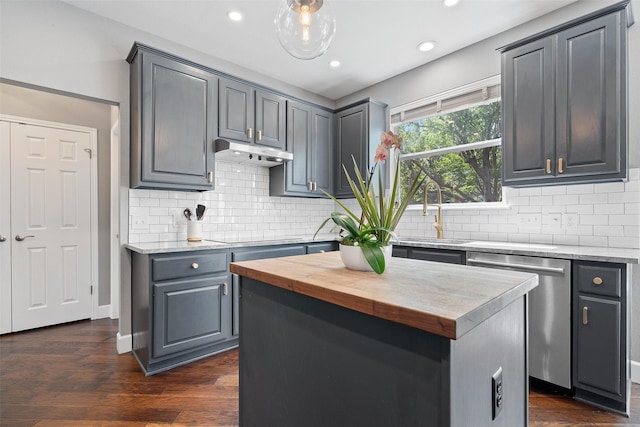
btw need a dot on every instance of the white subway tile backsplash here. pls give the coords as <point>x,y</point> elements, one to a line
<point>240,208</point>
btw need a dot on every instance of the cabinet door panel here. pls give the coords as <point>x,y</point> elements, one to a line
<point>235,110</point>
<point>188,314</point>
<point>323,150</point>
<point>598,361</point>
<point>588,107</point>
<point>299,143</point>
<point>270,119</point>
<point>178,119</point>
<point>351,137</point>
<point>528,111</point>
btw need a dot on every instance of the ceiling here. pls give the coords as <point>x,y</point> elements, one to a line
<point>375,39</point>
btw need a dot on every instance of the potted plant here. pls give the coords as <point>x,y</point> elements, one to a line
<point>373,230</point>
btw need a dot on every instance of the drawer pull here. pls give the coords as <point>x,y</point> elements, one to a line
<point>585,315</point>
<point>225,289</point>
<point>597,281</point>
<point>321,251</point>
<point>194,265</point>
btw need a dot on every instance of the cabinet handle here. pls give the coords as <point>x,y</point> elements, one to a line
<point>548,165</point>
<point>250,133</point>
<point>321,251</point>
<point>259,135</point>
<point>315,186</point>
<point>310,185</point>
<point>560,170</point>
<point>225,289</point>
<point>194,265</point>
<point>597,281</point>
<point>585,315</point>
<point>210,177</point>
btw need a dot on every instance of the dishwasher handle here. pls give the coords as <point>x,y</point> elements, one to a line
<point>533,268</point>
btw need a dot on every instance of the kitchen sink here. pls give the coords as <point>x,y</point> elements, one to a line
<point>432,240</point>
<point>507,245</point>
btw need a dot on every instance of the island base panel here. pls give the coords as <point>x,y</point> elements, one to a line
<point>308,362</point>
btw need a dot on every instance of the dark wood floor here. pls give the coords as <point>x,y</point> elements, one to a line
<point>70,376</point>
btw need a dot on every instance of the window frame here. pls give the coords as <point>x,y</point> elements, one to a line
<point>481,92</point>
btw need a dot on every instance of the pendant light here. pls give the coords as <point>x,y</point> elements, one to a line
<point>305,28</point>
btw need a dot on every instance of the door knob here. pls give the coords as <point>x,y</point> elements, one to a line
<point>2,238</point>
<point>20,237</point>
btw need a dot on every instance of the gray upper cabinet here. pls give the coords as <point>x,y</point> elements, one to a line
<point>358,130</point>
<point>251,115</point>
<point>564,103</point>
<point>309,138</point>
<point>173,122</point>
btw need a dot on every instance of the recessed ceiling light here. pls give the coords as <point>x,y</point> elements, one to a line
<point>234,15</point>
<point>426,46</point>
<point>334,64</point>
<point>449,3</point>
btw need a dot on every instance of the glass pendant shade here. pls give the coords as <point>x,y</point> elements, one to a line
<point>305,28</point>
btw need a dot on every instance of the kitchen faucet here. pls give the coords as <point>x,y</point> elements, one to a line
<point>438,220</point>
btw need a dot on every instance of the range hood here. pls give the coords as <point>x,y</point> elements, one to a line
<point>250,153</point>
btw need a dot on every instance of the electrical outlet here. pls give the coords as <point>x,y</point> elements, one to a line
<point>555,220</point>
<point>139,223</point>
<point>497,400</point>
<point>530,220</point>
<point>570,220</point>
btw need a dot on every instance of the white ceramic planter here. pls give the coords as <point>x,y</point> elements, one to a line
<point>353,258</point>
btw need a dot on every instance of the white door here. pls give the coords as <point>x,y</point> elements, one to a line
<point>50,226</point>
<point>5,228</point>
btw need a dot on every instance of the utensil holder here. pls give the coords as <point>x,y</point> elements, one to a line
<point>194,231</point>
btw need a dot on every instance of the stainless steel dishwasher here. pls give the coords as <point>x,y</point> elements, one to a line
<point>549,312</point>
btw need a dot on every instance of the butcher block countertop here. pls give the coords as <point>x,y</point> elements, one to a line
<point>444,299</point>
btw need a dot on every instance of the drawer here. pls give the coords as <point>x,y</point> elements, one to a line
<point>188,265</point>
<point>599,278</point>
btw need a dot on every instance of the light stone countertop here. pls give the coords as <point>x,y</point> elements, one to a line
<point>586,253</point>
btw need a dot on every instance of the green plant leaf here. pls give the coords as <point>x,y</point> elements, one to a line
<point>374,256</point>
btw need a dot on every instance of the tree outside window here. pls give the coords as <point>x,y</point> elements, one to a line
<point>459,150</point>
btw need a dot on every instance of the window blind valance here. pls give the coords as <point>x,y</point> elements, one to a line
<point>487,90</point>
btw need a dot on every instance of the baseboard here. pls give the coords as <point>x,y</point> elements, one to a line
<point>635,372</point>
<point>123,343</point>
<point>103,311</point>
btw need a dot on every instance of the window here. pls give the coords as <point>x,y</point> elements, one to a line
<point>455,139</point>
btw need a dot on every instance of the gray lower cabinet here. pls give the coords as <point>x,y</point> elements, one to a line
<point>564,98</point>
<point>430,254</point>
<point>251,115</point>
<point>310,139</point>
<point>173,122</point>
<point>181,307</point>
<point>358,130</point>
<point>600,348</point>
<point>264,252</point>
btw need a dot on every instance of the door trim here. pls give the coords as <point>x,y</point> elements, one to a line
<point>96,310</point>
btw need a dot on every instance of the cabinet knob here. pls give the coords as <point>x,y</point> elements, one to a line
<point>194,265</point>
<point>585,315</point>
<point>597,281</point>
<point>321,251</point>
<point>2,238</point>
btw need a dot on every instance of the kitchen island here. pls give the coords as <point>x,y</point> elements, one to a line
<point>421,344</point>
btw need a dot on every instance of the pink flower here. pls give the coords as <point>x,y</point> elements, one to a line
<point>390,140</point>
<point>381,153</point>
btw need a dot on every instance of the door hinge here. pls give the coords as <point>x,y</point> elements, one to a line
<point>88,150</point>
